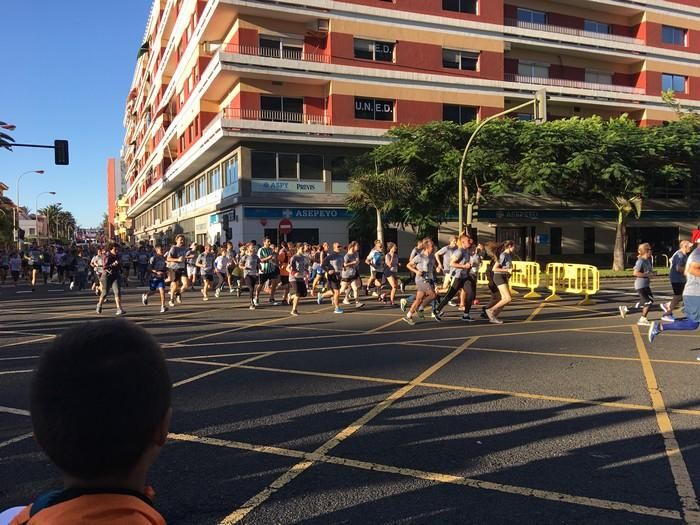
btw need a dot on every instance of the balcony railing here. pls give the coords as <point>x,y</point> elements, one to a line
<point>267,115</point>
<point>572,31</point>
<point>274,52</point>
<point>561,82</point>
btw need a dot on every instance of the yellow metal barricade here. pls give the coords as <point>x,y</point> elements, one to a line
<point>580,279</point>
<point>481,276</point>
<point>526,274</point>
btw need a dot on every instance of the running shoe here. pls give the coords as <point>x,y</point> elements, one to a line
<point>654,330</point>
<point>382,297</point>
<point>319,298</point>
<point>99,309</point>
<point>72,285</point>
<point>255,301</point>
<point>178,298</point>
<point>421,315</point>
<point>171,304</point>
<point>359,305</point>
<point>231,290</point>
<point>402,286</point>
<point>666,307</point>
<point>346,301</point>
<point>374,294</point>
<point>217,293</point>
<point>163,309</point>
<point>338,311</point>
<point>668,318</point>
<point>408,320</point>
<point>623,311</point>
<point>273,303</point>
<point>495,320</point>
<point>205,298</point>
<point>643,321</point>
<point>144,299</point>
<point>490,315</point>
<point>437,316</point>
<point>484,315</point>
<point>294,313</point>
<point>120,312</point>
<point>468,318</point>
<point>403,304</point>
<point>251,307</point>
<point>452,304</point>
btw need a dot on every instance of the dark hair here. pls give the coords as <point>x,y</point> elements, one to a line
<point>97,396</point>
<point>111,246</point>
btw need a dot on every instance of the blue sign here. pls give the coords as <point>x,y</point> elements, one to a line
<point>296,213</point>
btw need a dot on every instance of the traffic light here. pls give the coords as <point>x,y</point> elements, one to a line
<point>472,213</point>
<point>60,149</point>
<point>541,105</point>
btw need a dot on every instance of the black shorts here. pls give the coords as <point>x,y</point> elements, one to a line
<point>377,275</point>
<point>208,277</point>
<point>678,288</point>
<point>350,279</point>
<point>500,278</point>
<point>284,279</point>
<point>298,288</point>
<point>646,296</point>
<point>264,277</point>
<point>175,275</point>
<point>334,281</point>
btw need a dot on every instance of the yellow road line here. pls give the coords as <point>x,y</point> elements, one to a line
<point>382,327</point>
<point>254,325</point>
<point>535,312</point>
<point>219,370</point>
<point>555,354</point>
<point>16,439</point>
<point>681,477</point>
<point>10,372</point>
<point>20,343</point>
<point>437,477</point>
<point>325,374</point>
<point>303,465</point>
<point>15,411</point>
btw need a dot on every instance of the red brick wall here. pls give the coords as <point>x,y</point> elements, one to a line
<point>489,11</point>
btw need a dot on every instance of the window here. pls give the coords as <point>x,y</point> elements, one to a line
<point>532,17</point>
<point>281,48</point>
<point>264,165</point>
<point>230,171</point>
<point>673,35</point>
<point>201,185</point>
<point>599,77</point>
<point>214,179</point>
<point>596,27</point>
<point>310,167</point>
<point>339,169</point>
<point>555,241</point>
<point>460,6</point>
<point>588,240</point>
<point>373,50</point>
<point>459,114</point>
<point>374,109</point>
<point>189,193</point>
<point>673,82</point>
<point>287,166</point>
<point>465,60</point>
<point>533,69</point>
<point>281,109</point>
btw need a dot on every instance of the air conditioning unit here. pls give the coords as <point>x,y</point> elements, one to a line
<point>323,25</point>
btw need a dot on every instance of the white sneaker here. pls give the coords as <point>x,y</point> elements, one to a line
<point>255,301</point>
<point>403,304</point>
<point>452,304</point>
<point>346,301</point>
<point>72,285</point>
<point>205,298</point>
<point>178,298</point>
<point>623,311</point>
<point>251,307</point>
<point>120,311</point>
<point>144,299</point>
<point>668,318</point>
<point>490,315</point>
<point>163,309</point>
<point>495,320</point>
<point>171,304</point>
<point>643,321</point>
<point>217,292</point>
<point>319,298</point>
<point>375,294</point>
<point>666,307</point>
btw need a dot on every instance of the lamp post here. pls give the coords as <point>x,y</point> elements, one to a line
<point>36,213</point>
<point>16,216</point>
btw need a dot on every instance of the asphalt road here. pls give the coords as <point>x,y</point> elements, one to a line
<point>564,414</point>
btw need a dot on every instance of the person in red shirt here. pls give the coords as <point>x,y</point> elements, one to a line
<point>100,407</point>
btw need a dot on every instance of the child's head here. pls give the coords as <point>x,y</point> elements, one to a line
<point>100,400</point>
<point>644,250</point>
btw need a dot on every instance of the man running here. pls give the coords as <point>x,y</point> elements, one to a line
<point>205,263</point>
<point>464,264</point>
<point>333,266</point>
<point>35,262</point>
<point>176,267</point>
<point>250,263</point>
<point>375,259</point>
<point>268,272</point>
<point>298,271</point>
<point>111,278</point>
<point>191,257</point>
<point>678,279</point>
<point>157,271</point>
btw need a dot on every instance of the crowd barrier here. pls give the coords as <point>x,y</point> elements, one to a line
<point>580,279</point>
<point>481,276</point>
<point>526,274</point>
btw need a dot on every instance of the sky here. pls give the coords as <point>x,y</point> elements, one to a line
<point>66,71</point>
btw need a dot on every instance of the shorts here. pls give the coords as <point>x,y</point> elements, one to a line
<point>264,277</point>
<point>298,288</point>
<point>191,271</point>
<point>350,279</point>
<point>45,268</point>
<point>678,288</point>
<point>500,278</point>
<point>334,282</point>
<point>251,281</point>
<point>176,274</point>
<point>389,273</point>
<point>646,296</point>
<point>447,280</point>
<point>208,277</point>
<point>157,283</point>
<point>15,275</point>
<point>374,274</point>
<point>424,286</point>
<point>284,279</point>
<point>275,273</point>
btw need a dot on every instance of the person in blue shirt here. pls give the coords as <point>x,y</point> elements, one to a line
<point>677,276</point>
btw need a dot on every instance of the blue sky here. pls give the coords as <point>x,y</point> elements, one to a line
<point>66,71</point>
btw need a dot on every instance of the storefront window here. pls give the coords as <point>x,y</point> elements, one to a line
<point>264,165</point>
<point>310,167</point>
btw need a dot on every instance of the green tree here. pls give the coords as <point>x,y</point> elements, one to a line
<point>380,191</point>
<point>52,212</point>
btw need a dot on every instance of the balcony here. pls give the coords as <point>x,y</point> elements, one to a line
<point>571,31</point>
<point>273,52</point>
<point>267,115</point>
<point>575,84</point>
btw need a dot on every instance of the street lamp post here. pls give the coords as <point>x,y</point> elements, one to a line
<point>36,212</point>
<point>16,216</point>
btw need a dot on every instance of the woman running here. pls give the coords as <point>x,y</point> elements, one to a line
<point>423,267</point>
<point>391,270</point>
<point>502,268</point>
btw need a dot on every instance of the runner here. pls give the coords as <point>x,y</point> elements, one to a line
<point>125,259</point>
<point>691,301</point>
<point>443,258</point>
<point>298,271</point>
<point>333,266</point>
<point>176,269</point>
<point>80,276</point>
<point>268,272</point>
<point>156,270</point>
<point>501,268</point>
<point>283,264</point>
<point>60,261</point>
<point>221,264</point>
<point>375,259</point>
<point>677,278</point>
<point>423,266</point>
<point>250,263</point>
<point>15,265</point>
<point>34,259</point>
<point>643,270</point>
<point>350,275</point>
<point>205,263</point>
<point>191,257</point>
<point>142,259</point>
<point>45,259</point>
<point>111,278</point>
<point>464,264</point>
<point>391,270</point>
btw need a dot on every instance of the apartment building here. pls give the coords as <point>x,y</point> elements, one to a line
<point>242,112</point>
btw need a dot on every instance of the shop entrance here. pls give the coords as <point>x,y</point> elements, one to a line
<point>524,239</point>
<point>309,235</point>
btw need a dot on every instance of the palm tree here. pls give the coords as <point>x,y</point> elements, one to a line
<point>52,212</point>
<point>381,192</point>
